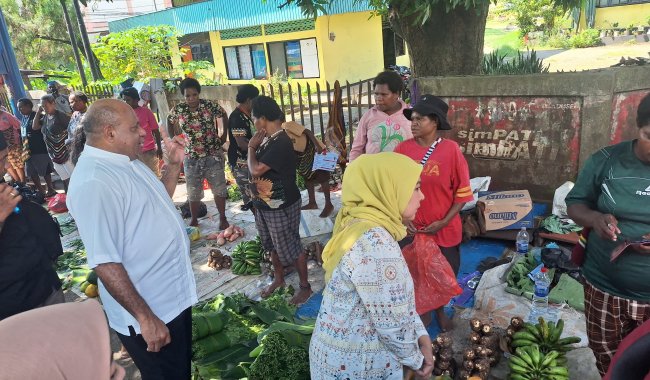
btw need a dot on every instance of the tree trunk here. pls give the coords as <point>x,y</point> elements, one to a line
<point>77,59</point>
<point>90,56</point>
<point>448,43</point>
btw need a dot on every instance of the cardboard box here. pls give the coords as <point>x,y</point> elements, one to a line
<point>506,210</point>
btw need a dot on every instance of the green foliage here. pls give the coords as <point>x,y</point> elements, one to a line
<point>497,63</point>
<point>142,53</point>
<point>280,360</point>
<point>586,38</point>
<point>28,21</point>
<point>234,193</point>
<point>536,15</point>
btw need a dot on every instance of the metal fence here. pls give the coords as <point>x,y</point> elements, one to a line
<point>96,91</point>
<point>311,106</point>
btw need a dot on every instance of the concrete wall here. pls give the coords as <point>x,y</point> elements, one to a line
<point>534,132</point>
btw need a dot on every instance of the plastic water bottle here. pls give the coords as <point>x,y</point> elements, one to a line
<point>522,241</point>
<point>539,306</point>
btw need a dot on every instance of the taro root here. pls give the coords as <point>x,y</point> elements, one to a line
<point>464,374</point>
<point>475,324</point>
<point>510,331</point>
<point>485,353</point>
<point>517,322</point>
<point>486,329</point>
<point>435,348</point>
<point>490,341</point>
<point>494,360</point>
<point>443,364</point>
<point>475,337</point>
<point>437,371</point>
<point>469,354</point>
<point>445,355</point>
<point>478,349</point>
<point>482,365</point>
<point>446,372</point>
<point>468,365</point>
<point>444,340</point>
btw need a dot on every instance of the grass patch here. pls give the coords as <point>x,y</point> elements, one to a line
<point>507,42</point>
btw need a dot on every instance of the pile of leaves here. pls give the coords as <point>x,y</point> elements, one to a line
<point>517,278</point>
<point>72,266</point>
<point>556,225</point>
<point>250,339</point>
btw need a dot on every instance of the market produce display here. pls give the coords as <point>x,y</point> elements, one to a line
<point>529,363</point>
<point>230,234</point>
<point>246,258</point>
<point>443,355</point>
<point>234,337</point>
<point>218,260</point>
<point>540,351</point>
<point>483,353</point>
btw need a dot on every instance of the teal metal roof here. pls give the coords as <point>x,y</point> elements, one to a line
<point>228,14</point>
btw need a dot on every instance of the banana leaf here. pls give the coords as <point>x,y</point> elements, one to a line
<point>204,324</point>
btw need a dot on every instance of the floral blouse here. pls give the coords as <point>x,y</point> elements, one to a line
<point>199,127</point>
<point>367,327</point>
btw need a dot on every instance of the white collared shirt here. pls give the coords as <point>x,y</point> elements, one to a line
<point>125,215</point>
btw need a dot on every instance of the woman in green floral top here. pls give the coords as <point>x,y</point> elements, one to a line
<point>198,120</point>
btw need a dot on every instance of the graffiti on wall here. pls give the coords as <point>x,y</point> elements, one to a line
<point>624,107</point>
<point>521,142</point>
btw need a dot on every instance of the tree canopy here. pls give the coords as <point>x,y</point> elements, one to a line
<point>38,33</point>
<point>444,37</point>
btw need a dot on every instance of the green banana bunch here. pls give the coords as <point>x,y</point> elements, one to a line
<point>545,335</point>
<point>246,258</point>
<point>529,363</point>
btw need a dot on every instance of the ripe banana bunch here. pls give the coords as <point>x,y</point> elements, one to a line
<point>547,336</point>
<point>529,363</point>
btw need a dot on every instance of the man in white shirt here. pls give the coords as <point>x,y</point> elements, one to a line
<point>136,240</point>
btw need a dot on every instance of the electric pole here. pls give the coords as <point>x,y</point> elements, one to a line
<point>77,59</point>
<point>90,57</point>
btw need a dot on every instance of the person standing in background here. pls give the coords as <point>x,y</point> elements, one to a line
<point>79,104</point>
<point>10,128</point>
<point>151,151</point>
<point>54,126</point>
<point>240,131</point>
<point>384,125</point>
<point>198,120</point>
<point>39,163</point>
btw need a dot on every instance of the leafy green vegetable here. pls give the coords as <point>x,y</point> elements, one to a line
<point>279,360</point>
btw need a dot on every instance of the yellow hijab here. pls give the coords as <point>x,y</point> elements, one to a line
<point>376,190</point>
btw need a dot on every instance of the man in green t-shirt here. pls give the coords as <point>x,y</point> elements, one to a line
<point>611,197</point>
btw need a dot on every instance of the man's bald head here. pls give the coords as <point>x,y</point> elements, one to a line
<point>103,113</point>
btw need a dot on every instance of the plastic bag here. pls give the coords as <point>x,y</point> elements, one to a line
<point>477,184</point>
<point>56,204</point>
<point>559,206</point>
<point>434,280</point>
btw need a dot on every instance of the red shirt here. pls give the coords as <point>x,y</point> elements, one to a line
<point>148,122</point>
<point>445,181</point>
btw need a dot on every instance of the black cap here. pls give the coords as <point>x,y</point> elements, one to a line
<point>3,142</point>
<point>431,105</point>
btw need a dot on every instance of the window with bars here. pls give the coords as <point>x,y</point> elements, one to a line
<point>295,59</point>
<point>245,61</point>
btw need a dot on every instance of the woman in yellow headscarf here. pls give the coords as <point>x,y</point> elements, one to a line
<point>367,326</point>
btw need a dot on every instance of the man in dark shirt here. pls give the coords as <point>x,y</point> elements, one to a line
<point>240,131</point>
<point>29,245</point>
<point>38,163</point>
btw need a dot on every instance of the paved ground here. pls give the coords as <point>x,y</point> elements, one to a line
<point>595,57</point>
